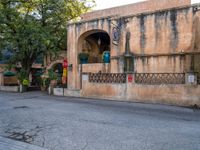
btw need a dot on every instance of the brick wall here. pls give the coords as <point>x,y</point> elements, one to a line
<point>142,7</point>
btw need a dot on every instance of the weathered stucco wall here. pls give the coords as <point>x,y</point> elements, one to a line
<point>182,95</point>
<point>162,64</point>
<point>9,88</point>
<point>161,32</point>
<point>141,7</point>
<point>196,40</point>
<point>76,34</point>
<point>162,41</point>
<point>107,91</point>
<point>95,68</point>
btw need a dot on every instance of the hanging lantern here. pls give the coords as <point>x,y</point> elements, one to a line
<point>99,41</point>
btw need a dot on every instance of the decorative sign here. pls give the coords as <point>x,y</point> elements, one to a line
<point>65,63</point>
<point>191,79</point>
<point>116,35</point>
<point>116,31</point>
<point>64,75</point>
<point>64,72</point>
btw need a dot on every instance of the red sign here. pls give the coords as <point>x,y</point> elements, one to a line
<point>130,78</point>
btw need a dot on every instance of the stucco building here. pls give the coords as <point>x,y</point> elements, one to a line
<point>154,53</point>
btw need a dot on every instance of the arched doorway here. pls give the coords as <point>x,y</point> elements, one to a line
<point>94,43</point>
<point>58,69</point>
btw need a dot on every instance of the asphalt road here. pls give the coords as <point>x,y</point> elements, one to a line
<point>64,123</point>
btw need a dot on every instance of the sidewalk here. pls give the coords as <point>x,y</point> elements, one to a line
<point>7,144</point>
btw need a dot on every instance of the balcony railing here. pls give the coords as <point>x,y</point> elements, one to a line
<point>139,78</point>
<point>107,77</point>
<point>160,78</point>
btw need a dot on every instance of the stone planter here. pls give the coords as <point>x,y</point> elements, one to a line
<point>23,88</point>
<point>9,88</point>
<point>42,88</point>
<point>53,83</point>
<point>58,91</point>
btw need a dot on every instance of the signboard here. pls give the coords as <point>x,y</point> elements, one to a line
<point>64,75</point>
<point>85,77</point>
<point>191,78</point>
<point>130,78</point>
<point>65,63</point>
<point>64,72</point>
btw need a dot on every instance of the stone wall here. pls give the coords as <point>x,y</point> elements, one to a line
<point>182,95</point>
<point>9,88</point>
<point>162,64</point>
<point>76,35</point>
<point>95,68</point>
<point>161,41</point>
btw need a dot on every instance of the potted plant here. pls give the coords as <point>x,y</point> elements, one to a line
<point>106,56</point>
<point>25,84</point>
<point>83,57</point>
<point>52,77</point>
<point>22,79</point>
<point>41,83</point>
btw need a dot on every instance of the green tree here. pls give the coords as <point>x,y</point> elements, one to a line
<point>36,27</point>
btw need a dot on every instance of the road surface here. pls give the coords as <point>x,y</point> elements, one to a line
<point>35,119</point>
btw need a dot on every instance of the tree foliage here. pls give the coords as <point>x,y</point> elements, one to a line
<point>36,27</point>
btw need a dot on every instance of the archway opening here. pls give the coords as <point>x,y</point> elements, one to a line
<point>93,45</point>
<point>58,69</point>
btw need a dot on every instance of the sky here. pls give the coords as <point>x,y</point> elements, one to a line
<point>102,4</point>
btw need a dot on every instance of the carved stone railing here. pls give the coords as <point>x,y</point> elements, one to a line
<point>139,78</point>
<point>107,77</point>
<point>160,78</point>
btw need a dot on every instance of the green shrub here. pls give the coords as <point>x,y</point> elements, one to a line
<point>52,75</point>
<point>25,82</point>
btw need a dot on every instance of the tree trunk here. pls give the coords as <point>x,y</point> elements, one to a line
<point>27,65</point>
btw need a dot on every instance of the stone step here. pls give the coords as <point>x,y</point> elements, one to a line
<point>8,144</point>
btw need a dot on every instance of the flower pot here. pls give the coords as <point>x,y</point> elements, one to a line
<point>83,58</point>
<point>53,83</point>
<point>23,88</point>
<point>106,57</point>
<point>84,61</point>
<point>42,88</point>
